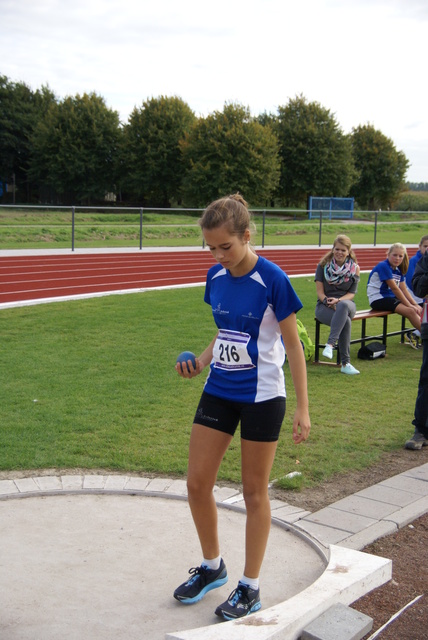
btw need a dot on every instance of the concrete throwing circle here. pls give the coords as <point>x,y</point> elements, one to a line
<point>105,566</point>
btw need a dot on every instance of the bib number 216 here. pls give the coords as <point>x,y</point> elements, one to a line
<point>230,351</point>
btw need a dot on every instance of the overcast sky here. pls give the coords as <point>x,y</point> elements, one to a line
<point>364,60</point>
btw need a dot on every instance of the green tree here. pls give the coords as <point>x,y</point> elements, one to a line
<point>20,110</point>
<point>267,119</point>
<point>316,156</point>
<point>381,168</point>
<point>154,165</point>
<point>75,149</point>
<point>230,151</point>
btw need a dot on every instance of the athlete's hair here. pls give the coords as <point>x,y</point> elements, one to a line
<point>423,239</point>
<point>404,266</point>
<point>340,239</point>
<point>231,210</point>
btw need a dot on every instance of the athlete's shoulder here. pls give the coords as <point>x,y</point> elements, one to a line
<point>383,267</point>
<point>382,264</point>
<point>265,266</point>
<point>378,271</point>
<point>215,271</point>
<point>415,259</point>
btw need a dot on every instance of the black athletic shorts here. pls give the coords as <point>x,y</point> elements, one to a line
<point>260,421</point>
<point>385,304</point>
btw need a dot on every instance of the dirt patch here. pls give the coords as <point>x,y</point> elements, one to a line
<point>408,551</point>
<point>345,484</point>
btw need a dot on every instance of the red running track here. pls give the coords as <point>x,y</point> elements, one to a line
<point>25,278</point>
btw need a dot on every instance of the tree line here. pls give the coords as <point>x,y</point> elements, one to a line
<point>76,151</point>
<point>417,186</point>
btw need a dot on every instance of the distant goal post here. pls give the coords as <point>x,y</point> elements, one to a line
<point>330,208</point>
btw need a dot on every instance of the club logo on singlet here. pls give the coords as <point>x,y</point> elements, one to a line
<point>219,311</point>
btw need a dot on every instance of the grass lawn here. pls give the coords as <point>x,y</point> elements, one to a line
<point>91,384</point>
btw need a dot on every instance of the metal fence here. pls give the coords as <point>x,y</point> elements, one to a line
<point>265,216</point>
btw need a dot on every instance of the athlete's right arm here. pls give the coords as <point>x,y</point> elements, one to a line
<point>207,355</point>
<point>399,293</point>
<point>201,362</point>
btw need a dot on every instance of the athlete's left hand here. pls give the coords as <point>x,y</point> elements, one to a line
<point>301,427</point>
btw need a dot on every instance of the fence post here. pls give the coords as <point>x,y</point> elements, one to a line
<point>72,227</point>
<point>320,232</point>
<point>141,228</point>
<point>263,228</point>
<point>375,227</point>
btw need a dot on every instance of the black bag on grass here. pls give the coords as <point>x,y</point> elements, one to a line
<point>372,350</point>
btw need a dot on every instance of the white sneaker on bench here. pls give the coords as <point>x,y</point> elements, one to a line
<point>349,369</point>
<point>328,351</point>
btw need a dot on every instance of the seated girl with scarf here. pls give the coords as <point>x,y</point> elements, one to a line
<point>337,278</point>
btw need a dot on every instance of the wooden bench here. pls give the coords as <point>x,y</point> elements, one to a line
<point>362,316</point>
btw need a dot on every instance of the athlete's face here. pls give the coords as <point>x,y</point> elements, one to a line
<point>423,246</point>
<point>231,251</point>
<point>395,257</point>
<point>340,253</point>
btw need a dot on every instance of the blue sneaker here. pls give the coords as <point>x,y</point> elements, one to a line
<point>203,580</point>
<point>241,602</point>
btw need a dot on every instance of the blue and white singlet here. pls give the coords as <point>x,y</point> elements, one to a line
<point>249,353</point>
<point>377,287</point>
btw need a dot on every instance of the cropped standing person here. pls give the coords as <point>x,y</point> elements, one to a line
<point>386,286</point>
<point>254,307</point>
<point>337,277</point>
<point>414,337</point>
<point>420,422</point>
<point>423,246</point>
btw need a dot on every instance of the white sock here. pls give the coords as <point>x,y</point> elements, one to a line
<point>253,583</point>
<point>213,564</point>
<point>417,333</point>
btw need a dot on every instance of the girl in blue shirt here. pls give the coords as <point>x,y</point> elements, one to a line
<point>386,286</point>
<point>254,308</point>
<point>423,246</point>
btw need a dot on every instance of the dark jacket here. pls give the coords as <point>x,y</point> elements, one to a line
<point>420,287</point>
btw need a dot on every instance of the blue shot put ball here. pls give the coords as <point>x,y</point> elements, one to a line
<point>185,356</point>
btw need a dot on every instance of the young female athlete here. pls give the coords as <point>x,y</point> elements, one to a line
<point>254,307</point>
<point>386,286</point>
